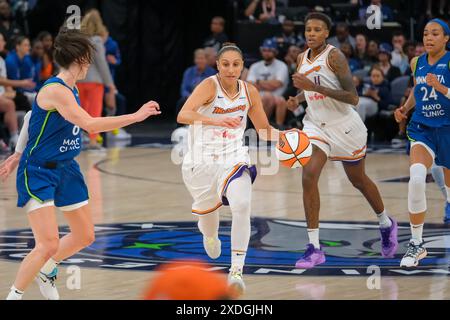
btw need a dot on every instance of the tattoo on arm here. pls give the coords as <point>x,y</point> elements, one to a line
<point>339,64</point>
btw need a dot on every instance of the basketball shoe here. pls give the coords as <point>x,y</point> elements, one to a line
<point>413,255</point>
<point>311,258</point>
<point>47,285</point>
<point>236,281</point>
<point>213,246</point>
<point>389,242</point>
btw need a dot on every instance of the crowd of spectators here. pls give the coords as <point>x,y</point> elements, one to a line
<point>381,70</point>
<point>25,64</point>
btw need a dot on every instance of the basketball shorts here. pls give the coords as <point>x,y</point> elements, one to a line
<point>435,140</point>
<point>44,181</point>
<point>344,139</point>
<point>208,183</point>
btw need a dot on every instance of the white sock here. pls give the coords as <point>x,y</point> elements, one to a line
<point>49,266</point>
<point>384,220</point>
<point>209,224</point>
<point>14,294</point>
<point>416,232</point>
<point>313,235</point>
<point>239,195</point>
<point>447,189</point>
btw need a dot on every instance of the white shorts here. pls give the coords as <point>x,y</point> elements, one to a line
<point>207,184</point>
<point>33,204</point>
<point>344,139</point>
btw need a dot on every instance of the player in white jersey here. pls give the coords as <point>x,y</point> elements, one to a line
<point>216,169</point>
<point>336,132</point>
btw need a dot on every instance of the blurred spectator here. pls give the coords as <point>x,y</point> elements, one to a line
<point>347,50</point>
<point>390,72</point>
<point>401,140</point>
<point>372,54</point>
<point>194,75</point>
<point>218,36</point>
<point>262,11</point>
<point>441,12</point>
<point>115,105</point>
<point>6,85</point>
<point>7,105</point>
<point>8,27</point>
<point>361,47</point>
<point>420,49</point>
<point>342,36</point>
<point>98,77</point>
<point>48,66</point>
<point>188,280</point>
<point>37,55</point>
<point>113,56</point>
<point>399,58</point>
<point>386,11</point>
<point>211,57</point>
<point>375,95</point>
<point>291,91</point>
<point>410,50</point>
<point>19,66</point>
<point>271,78</point>
<point>287,38</point>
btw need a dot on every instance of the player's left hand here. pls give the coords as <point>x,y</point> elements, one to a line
<point>432,80</point>
<point>302,82</point>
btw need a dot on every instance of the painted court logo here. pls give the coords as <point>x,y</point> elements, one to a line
<point>275,245</point>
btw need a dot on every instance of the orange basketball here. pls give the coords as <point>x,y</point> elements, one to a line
<point>293,148</point>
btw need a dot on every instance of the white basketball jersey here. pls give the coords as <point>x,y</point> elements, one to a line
<point>219,142</point>
<point>322,109</point>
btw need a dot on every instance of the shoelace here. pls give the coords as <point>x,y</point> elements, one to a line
<point>52,280</point>
<point>309,251</point>
<point>385,237</point>
<point>412,250</point>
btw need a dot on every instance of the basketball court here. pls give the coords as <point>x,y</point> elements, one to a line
<point>141,210</point>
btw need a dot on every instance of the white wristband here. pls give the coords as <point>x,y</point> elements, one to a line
<point>448,93</point>
<point>23,136</point>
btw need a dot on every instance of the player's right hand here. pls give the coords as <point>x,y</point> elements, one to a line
<point>400,114</point>
<point>229,122</point>
<point>8,166</point>
<point>292,103</point>
<point>151,108</point>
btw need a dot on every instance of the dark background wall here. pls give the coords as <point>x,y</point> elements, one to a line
<point>157,39</point>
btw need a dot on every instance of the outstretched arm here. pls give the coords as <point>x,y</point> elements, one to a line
<point>61,99</point>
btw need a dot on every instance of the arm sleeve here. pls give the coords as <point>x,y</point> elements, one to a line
<point>23,136</point>
<point>100,61</point>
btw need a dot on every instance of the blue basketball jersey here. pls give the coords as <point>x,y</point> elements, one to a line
<point>432,107</point>
<point>51,137</point>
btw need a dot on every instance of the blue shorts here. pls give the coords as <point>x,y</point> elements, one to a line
<point>437,139</point>
<point>60,181</point>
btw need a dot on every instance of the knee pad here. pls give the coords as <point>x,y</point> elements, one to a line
<point>417,202</point>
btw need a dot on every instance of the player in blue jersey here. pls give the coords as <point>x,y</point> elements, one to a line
<point>428,130</point>
<point>48,176</point>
